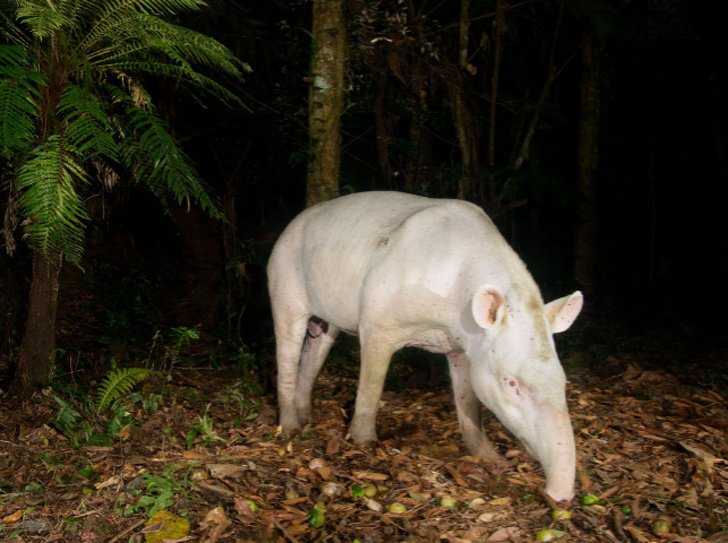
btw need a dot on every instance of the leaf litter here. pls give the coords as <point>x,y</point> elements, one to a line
<point>652,458</point>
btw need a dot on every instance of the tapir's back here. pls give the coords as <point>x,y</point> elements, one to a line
<point>324,256</point>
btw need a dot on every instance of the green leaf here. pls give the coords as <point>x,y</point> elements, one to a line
<point>53,210</point>
<point>148,44</point>
<point>156,159</point>
<point>19,93</point>
<point>117,383</point>
<point>42,18</point>
<point>88,127</point>
<point>91,55</point>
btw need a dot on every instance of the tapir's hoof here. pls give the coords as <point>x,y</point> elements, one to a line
<point>496,465</point>
<point>362,440</point>
<point>288,428</point>
<point>484,451</point>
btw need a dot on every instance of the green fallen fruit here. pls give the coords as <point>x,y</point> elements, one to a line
<point>561,514</point>
<point>590,499</point>
<point>252,505</point>
<point>316,516</point>
<point>626,510</point>
<point>370,491</point>
<point>396,508</point>
<point>357,490</point>
<point>548,534</point>
<point>448,501</point>
<point>661,526</point>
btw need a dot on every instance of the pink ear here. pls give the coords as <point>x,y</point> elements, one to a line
<point>562,313</point>
<point>488,305</point>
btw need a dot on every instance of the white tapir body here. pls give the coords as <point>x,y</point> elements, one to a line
<point>402,270</point>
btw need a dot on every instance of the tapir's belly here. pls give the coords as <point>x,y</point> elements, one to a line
<point>434,341</point>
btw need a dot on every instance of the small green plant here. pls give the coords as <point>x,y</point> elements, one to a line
<point>85,422</point>
<point>159,491</point>
<point>71,423</point>
<point>182,337</point>
<point>120,420</point>
<point>119,382</point>
<point>174,347</point>
<point>247,408</point>
<point>204,429</point>
<point>250,368</point>
<point>150,402</point>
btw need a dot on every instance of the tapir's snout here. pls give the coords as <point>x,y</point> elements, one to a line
<point>558,454</point>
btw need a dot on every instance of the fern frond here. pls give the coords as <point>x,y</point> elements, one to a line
<point>153,7</point>
<point>54,212</point>
<point>87,125</point>
<point>8,29</point>
<point>119,382</point>
<point>148,44</point>
<point>92,43</point>
<point>19,96</point>
<point>155,158</point>
<point>41,17</point>
<point>114,11</point>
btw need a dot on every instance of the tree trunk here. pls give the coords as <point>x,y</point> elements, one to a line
<point>467,133</point>
<point>326,100</point>
<point>586,232</point>
<point>464,117</point>
<point>35,360</point>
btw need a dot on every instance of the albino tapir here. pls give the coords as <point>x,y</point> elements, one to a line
<point>402,270</point>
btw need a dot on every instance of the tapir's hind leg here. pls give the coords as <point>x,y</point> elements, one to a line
<point>320,336</point>
<point>290,330</point>
<point>468,409</point>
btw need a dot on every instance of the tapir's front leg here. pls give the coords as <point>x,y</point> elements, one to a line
<point>375,357</point>
<point>468,409</point>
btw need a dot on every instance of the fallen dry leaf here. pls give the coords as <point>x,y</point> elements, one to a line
<point>13,518</point>
<point>505,534</point>
<point>214,524</point>
<point>370,476</point>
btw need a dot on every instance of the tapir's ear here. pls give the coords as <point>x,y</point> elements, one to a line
<point>562,313</point>
<point>488,306</point>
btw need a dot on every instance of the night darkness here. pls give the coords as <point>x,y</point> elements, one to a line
<point>661,181</point>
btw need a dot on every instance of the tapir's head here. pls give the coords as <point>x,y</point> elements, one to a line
<point>518,376</point>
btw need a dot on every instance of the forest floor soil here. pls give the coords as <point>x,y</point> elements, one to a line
<point>651,431</point>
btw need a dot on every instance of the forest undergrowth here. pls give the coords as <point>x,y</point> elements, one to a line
<point>194,454</point>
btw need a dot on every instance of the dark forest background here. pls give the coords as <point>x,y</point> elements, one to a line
<point>660,258</point>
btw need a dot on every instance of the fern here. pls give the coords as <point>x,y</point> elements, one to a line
<point>88,127</point>
<point>83,47</point>
<point>18,99</point>
<point>155,159</point>
<point>54,211</point>
<point>119,382</point>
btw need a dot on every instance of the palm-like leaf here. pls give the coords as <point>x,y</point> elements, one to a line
<point>88,128</point>
<point>54,212</point>
<point>160,163</point>
<point>148,44</point>
<point>39,19</point>
<point>93,108</point>
<point>18,99</point>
